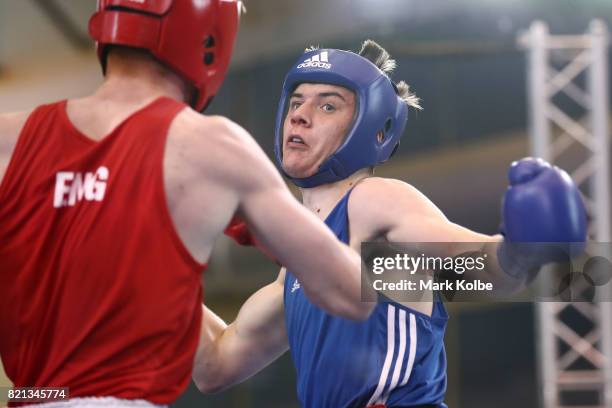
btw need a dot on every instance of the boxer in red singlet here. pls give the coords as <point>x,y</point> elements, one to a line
<point>110,206</point>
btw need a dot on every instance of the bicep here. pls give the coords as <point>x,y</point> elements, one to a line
<point>288,230</point>
<point>431,228</point>
<point>403,214</point>
<point>279,222</point>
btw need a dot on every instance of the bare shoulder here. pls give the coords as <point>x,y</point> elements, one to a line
<point>10,128</point>
<point>381,195</point>
<point>373,187</point>
<point>377,204</point>
<point>218,145</point>
<point>217,129</point>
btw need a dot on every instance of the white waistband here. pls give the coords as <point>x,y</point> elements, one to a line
<point>98,402</point>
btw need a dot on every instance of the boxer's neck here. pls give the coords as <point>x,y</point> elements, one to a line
<point>135,75</point>
<point>322,199</point>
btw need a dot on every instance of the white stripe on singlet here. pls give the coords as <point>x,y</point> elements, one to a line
<point>411,354</point>
<point>412,351</point>
<point>389,357</point>
<point>399,361</point>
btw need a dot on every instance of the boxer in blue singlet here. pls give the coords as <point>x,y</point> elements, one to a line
<point>339,116</point>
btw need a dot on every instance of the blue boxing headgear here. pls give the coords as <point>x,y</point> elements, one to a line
<point>379,109</point>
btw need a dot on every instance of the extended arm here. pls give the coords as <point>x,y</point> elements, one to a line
<point>541,205</point>
<point>331,279</point>
<point>401,213</point>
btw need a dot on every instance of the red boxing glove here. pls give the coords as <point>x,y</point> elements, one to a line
<point>238,230</point>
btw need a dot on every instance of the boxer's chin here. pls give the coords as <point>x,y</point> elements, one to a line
<point>295,169</point>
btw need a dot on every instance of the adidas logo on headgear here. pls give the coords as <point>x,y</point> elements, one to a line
<point>316,61</point>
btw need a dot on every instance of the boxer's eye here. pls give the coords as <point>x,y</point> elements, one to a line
<point>328,107</point>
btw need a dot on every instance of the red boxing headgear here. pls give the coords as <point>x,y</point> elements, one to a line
<point>194,38</point>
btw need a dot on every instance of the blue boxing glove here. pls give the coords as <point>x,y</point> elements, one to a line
<point>542,204</point>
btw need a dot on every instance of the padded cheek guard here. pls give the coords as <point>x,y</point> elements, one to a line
<point>379,109</point>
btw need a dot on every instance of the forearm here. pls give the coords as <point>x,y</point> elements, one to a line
<point>255,339</point>
<point>447,239</point>
<point>493,272</point>
<point>208,364</point>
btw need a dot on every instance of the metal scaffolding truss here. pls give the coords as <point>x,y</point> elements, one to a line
<point>575,363</point>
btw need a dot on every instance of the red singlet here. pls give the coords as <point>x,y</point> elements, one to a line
<point>97,291</point>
